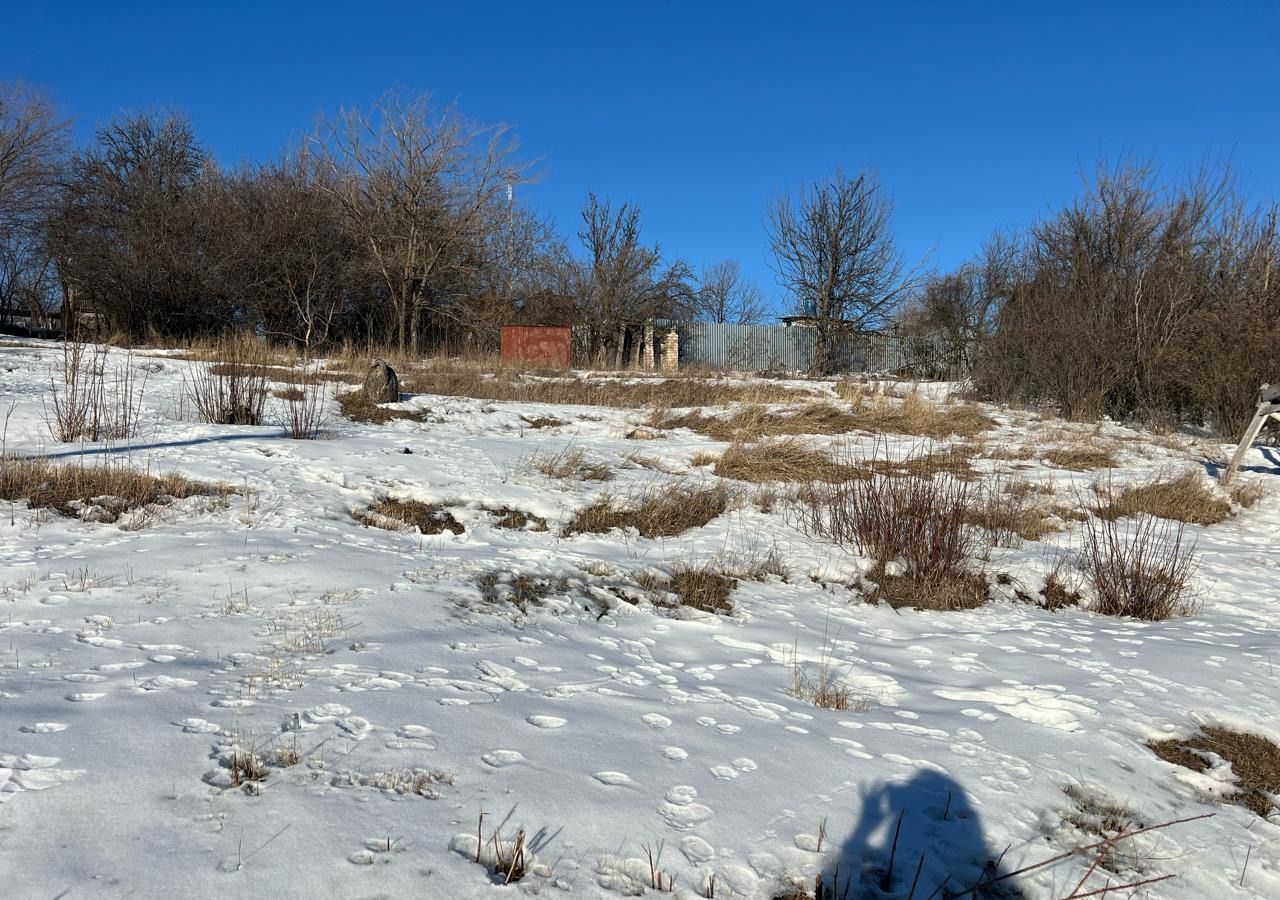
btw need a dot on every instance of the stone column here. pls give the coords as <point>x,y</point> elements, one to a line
<point>671,351</point>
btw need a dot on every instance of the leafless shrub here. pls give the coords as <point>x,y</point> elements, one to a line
<point>1145,571</point>
<point>916,520</point>
<point>305,411</point>
<point>234,391</point>
<point>80,406</point>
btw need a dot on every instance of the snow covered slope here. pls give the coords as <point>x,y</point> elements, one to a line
<point>393,704</point>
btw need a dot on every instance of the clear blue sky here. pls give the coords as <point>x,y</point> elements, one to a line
<point>975,115</point>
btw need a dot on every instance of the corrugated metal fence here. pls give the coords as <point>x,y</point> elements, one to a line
<point>791,349</point>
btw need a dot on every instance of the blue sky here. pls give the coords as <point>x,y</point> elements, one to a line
<point>975,115</point>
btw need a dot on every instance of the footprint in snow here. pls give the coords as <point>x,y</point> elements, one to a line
<point>613,779</point>
<point>656,720</point>
<point>500,759</point>
<point>163,683</point>
<point>675,753</point>
<point>198,726</point>
<point>696,850</point>
<point>84,697</point>
<point>43,728</point>
<point>538,721</point>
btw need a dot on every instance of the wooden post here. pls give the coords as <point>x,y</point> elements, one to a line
<point>1268,407</point>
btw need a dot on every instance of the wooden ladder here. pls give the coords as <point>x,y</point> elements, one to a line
<point>1268,407</point>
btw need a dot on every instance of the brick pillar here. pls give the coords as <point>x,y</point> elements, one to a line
<point>647,360</point>
<point>671,352</point>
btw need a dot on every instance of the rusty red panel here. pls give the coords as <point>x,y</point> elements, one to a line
<point>536,345</point>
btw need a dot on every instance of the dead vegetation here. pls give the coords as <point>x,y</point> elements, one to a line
<point>783,459</point>
<point>1009,514</point>
<point>915,528</point>
<point>911,416</point>
<point>663,509</point>
<point>517,519</point>
<point>82,406</point>
<point>1145,570</point>
<point>356,406</point>
<point>1254,761</point>
<point>518,589</point>
<point>493,382</point>
<point>1081,458</point>
<point>1184,498</point>
<point>100,493</point>
<point>235,390</point>
<point>570,464</point>
<point>397,515</point>
<point>703,587</point>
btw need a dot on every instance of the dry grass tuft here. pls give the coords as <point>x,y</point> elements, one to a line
<point>953,591</point>
<point>1255,762</point>
<point>395,515</point>
<point>517,520</point>
<point>659,510</point>
<point>911,416</point>
<point>520,590</point>
<point>570,464</point>
<point>97,493</point>
<point>234,391</point>
<point>490,382</point>
<point>703,587</point>
<point>539,422</point>
<point>1081,458</point>
<point>1246,494</point>
<point>356,406</point>
<point>787,459</point>
<point>1185,498</point>
<point>1008,514</point>
<point>703,458</point>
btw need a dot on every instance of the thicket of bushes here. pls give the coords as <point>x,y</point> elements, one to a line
<point>1142,300</point>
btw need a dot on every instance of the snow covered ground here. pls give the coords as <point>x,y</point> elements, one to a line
<point>133,663</point>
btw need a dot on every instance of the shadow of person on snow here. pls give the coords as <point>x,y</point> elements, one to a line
<point>919,839</point>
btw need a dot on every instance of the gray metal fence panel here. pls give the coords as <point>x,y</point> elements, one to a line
<point>779,348</point>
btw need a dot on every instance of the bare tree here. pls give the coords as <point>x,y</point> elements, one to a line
<point>285,253</point>
<point>32,149</point>
<point>417,185</point>
<point>725,296</point>
<point>131,229</point>
<point>622,283</point>
<point>834,253</point>
<point>958,311</point>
